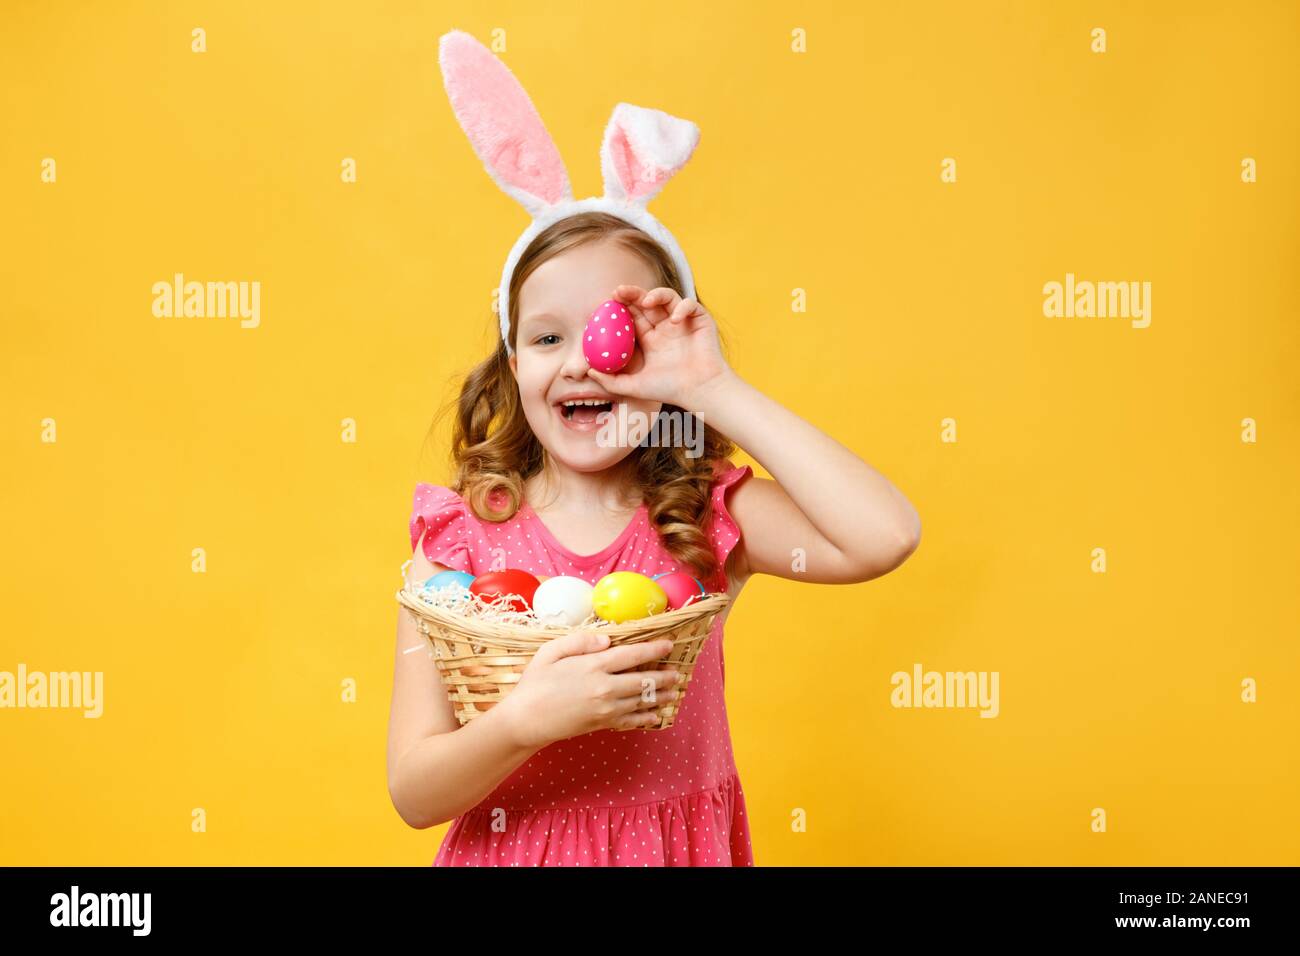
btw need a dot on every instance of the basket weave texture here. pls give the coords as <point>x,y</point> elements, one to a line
<point>481,660</point>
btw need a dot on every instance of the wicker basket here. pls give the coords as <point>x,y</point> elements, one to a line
<point>481,661</point>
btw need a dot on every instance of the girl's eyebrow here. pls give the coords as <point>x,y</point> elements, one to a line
<point>536,317</point>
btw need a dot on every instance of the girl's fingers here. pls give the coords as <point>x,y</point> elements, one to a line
<point>640,321</point>
<point>650,309</point>
<point>663,296</point>
<point>659,303</point>
<point>631,684</point>
<point>685,308</point>
<point>632,705</point>
<point>655,303</point>
<point>634,720</point>
<point>616,384</point>
<point>631,296</point>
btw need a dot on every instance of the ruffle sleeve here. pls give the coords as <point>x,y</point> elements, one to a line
<point>724,533</point>
<point>439,514</point>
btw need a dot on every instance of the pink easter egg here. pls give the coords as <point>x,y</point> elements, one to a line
<point>681,588</point>
<point>609,340</point>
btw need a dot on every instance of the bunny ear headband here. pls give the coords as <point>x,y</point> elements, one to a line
<point>641,151</point>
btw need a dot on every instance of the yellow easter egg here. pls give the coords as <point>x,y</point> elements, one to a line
<point>626,596</point>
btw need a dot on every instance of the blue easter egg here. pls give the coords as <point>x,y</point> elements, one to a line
<point>449,579</point>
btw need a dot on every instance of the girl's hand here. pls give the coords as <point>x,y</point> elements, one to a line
<point>678,351</point>
<point>572,686</point>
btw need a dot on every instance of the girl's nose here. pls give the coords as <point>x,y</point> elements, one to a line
<point>575,361</point>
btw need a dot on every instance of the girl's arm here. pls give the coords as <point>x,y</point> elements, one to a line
<point>437,769</point>
<point>845,517</point>
<point>850,523</point>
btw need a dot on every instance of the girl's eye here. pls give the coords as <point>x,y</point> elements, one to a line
<point>542,340</point>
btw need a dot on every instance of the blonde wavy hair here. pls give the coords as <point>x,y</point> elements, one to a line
<point>494,450</point>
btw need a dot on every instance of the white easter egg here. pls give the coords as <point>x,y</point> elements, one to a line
<point>563,601</point>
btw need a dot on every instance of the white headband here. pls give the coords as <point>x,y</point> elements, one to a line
<point>642,149</point>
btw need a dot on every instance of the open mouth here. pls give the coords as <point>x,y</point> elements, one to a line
<point>584,414</point>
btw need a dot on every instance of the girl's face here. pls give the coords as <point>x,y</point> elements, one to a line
<point>554,305</point>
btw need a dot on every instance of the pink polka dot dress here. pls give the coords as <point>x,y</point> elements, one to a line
<point>608,798</point>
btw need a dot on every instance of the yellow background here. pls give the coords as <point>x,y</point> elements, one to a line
<point>817,171</point>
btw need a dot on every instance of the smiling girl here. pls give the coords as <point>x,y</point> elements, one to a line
<point>545,777</point>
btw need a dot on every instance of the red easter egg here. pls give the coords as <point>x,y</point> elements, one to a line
<point>609,340</point>
<point>519,585</point>
<point>681,588</point>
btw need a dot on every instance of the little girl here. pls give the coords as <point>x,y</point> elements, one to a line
<point>543,484</point>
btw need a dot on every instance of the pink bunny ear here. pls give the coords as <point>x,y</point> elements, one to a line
<point>643,149</point>
<point>502,124</point>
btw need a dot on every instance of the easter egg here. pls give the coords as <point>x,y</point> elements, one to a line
<point>627,596</point>
<point>609,340</point>
<point>563,601</point>
<point>449,579</point>
<point>680,587</point>
<point>519,585</point>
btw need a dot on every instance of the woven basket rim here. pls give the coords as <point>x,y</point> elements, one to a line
<point>642,627</point>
